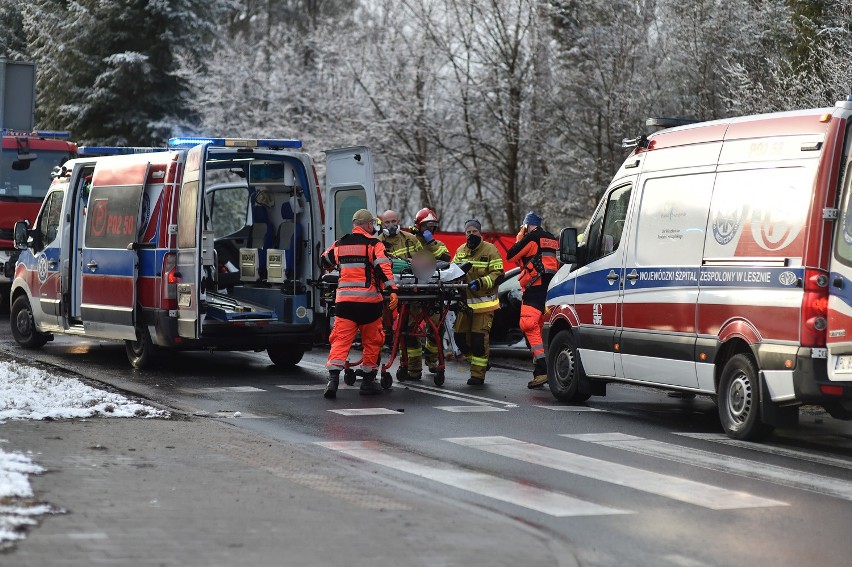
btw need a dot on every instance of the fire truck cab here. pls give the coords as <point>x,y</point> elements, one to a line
<point>719,263</point>
<point>212,244</point>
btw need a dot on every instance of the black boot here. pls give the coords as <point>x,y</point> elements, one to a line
<point>333,383</point>
<point>369,386</point>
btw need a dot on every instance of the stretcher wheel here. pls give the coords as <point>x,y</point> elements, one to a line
<point>439,378</point>
<point>402,374</point>
<point>348,377</point>
<point>387,380</point>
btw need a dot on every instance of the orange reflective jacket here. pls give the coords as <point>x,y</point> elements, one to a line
<point>364,266</point>
<point>536,254</point>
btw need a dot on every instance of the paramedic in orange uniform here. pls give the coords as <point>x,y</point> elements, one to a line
<point>535,252</point>
<point>365,270</point>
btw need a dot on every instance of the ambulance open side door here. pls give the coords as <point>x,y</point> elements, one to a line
<point>349,187</point>
<point>839,319</point>
<point>189,243</point>
<point>109,258</point>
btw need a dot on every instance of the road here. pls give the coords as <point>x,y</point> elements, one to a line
<point>632,478</point>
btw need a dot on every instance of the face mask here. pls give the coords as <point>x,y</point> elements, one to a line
<point>391,230</point>
<point>473,241</point>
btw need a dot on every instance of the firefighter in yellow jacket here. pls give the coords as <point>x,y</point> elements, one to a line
<point>473,325</point>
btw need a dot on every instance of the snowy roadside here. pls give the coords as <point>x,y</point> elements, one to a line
<point>32,393</point>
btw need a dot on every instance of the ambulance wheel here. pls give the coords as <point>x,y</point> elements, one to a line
<point>565,370</point>
<point>439,378</point>
<point>285,357</point>
<point>387,380</point>
<point>739,400</point>
<point>142,353</point>
<point>349,377</point>
<point>23,325</point>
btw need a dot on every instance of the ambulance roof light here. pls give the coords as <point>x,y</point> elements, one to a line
<point>190,141</point>
<point>96,151</point>
<point>37,133</point>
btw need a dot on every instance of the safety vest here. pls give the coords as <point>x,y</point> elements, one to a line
<point>363,264</point>
<point>486,266</point>
<point>537,255</point>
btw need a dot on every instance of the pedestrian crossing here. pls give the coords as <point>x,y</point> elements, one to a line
<point>561,503</point>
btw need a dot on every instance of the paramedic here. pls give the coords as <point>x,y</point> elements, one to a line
<point>365,270</point>
<point>473,325</point>
<point>535,252</point>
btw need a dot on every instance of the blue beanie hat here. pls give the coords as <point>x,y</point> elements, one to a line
<point>532,219</point>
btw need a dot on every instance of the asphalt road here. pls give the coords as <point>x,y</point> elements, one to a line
<point>633,478</point>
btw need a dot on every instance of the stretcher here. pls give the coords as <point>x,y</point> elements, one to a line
<point>425,295</point>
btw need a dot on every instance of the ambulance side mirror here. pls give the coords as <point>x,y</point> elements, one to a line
<point>21,235</point>
<point>568,246</point>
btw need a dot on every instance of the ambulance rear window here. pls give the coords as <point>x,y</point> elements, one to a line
<point>112,216</point>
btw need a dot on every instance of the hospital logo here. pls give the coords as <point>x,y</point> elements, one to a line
<point>42,268</point>
<point>726,224</point>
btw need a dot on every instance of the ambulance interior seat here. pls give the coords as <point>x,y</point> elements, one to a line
<point>288,237</point>
<point>260,236</point>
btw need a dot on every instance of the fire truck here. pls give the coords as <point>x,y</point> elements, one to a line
<point>27,158</point>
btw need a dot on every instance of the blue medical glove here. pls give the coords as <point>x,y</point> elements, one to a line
<point>474,285</point>
<point>427,235</point>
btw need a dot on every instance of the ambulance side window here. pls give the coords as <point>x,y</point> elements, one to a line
<point>228,209</point>
<point>607,226</point>
<point>48,222</point>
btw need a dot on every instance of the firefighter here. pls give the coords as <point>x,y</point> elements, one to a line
<point>365,270</point>
<point>425,223</point>
<point>398,243</point>
<point>473,325</point>
<point>535,252</point>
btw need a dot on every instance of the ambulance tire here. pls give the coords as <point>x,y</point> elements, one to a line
<point>565,376</point>
<point>142,353</point>
<point>739,400</point>
<point>23,325</point>
<point>285,357</point>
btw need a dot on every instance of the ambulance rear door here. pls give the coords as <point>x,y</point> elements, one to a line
<point>839,327</point>
<point>189,243</point>
<point>109,259</point>
<point>349,187</point>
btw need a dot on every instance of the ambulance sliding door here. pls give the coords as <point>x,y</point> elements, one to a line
<point>109,259</point>
<point>349,187</point>
<point>665,241</point>
<point>189,243</point>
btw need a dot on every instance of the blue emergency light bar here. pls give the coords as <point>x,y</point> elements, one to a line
<point>37,133</point>
<point>97,151</point>
<point>188,142</point>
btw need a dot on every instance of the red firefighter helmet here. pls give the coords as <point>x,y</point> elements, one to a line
<point>425,215</point>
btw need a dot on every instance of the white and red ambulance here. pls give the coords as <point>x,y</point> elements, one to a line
<point>212,244</point>
<point>718,262</point>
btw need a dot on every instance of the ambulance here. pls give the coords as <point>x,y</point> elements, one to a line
<point>212,244</point>
<point>719,263</point>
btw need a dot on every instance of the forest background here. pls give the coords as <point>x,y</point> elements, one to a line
<point>475,108</point>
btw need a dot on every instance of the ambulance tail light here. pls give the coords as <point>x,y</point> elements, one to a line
<point>170,281</point>
<point>815,309</point>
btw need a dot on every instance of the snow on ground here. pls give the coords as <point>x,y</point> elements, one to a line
<point>31,393</point>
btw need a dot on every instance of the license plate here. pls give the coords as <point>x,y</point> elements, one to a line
<point>843,363</point>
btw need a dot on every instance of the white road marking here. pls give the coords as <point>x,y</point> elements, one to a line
<point>313,365</point>
<point>470,398</point>
<point>723,463</point>
<point>219,390</point>
<point>366,411</point>
<point>669,486</point>
<point>809,456</point>
<point>311,387</point>
<point>519,494</point>
<point>469,409</point>
<point>570,408</point>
